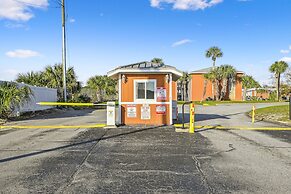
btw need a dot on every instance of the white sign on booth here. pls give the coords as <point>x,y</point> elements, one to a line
<point>145,112</point>
<point>131,111</point>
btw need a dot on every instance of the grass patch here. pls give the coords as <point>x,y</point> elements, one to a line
<point>273,113</point>
<point>207,103</point>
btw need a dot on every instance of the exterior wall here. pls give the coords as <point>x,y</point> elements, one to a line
<point>174,91</point>
<point>197,87</point>
<point>264,95</point>
<point>255,93</point>
<point>127,99</point>
<point>238,88</point>
<point>40,94</point>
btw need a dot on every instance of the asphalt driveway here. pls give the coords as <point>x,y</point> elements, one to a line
<point>144,159</point>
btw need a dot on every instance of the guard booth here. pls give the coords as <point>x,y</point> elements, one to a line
<point>147,93</point>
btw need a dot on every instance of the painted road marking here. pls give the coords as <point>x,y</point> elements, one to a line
<point>176,125</point>
<point>238,128</point>
<point>51,126</point>
<point>68,104</point>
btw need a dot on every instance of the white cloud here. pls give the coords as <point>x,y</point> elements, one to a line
<point>290,47</point>
<point>181,42</point>
<point>20,53</point>
<point>72,20</point>
<point>244,0</point>
<point>186,4</point>
<point>286,59</point>
<point>20,10</point>
<point>284,51</point>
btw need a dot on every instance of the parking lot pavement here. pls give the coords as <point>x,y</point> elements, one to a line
<point>128,160</point>
<point>145,159</point>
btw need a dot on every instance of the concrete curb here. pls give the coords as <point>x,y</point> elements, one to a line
<point>269,121</point>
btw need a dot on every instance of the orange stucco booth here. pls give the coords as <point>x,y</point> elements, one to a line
<point>147,93</point>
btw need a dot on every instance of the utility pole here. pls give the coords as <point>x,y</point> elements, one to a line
<point>64,61</point>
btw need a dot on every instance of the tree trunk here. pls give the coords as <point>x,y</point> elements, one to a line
<point>245,93</point>
<point>204,89</point>
<point>213,90</point>
<point>183,99</point>
<point>185,91</point>
<point>223,89</point>
<point>217,90</point>
<point>278,88</point>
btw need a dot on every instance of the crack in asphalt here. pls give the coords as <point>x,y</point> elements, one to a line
<point>203,176</point>
<point>266,148</point>
<point>83,162</point>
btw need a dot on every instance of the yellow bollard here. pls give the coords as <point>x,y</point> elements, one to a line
<point>192,118</point>
<point>253,114</point>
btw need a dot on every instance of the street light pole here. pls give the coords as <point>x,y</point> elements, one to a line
<point>289,106</point>
<point>64,61</point>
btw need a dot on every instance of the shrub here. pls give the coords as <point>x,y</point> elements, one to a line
<point>12,97</point>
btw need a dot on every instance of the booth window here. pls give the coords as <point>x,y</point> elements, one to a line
<point>145,89</point>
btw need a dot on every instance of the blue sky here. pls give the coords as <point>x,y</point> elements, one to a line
<point>103,34</point>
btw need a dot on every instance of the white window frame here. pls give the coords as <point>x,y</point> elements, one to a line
<point>145,81</point>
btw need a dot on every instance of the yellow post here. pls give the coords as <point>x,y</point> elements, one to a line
<point>192,118</point>
<point>253,114</point>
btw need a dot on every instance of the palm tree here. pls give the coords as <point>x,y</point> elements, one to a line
<point>278,68</point>
<point>214,53</point>
<point>207,77</point>
<point>184,80</point>
<point>110,86</point>
<point>103,86</point>
<point>12,97</point>
<point>53,76</point>
<point>31,78</point>
<point>249,82</point>
<point>215,76</point>
<point>157,60</point>
<point>228,74</point>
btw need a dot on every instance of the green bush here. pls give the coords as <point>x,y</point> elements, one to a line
<point>12,97</point>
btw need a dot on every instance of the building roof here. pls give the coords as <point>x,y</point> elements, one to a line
<point>207,70</point>
<point>146,67</point>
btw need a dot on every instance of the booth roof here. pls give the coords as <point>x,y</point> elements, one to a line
<point>146,67</point>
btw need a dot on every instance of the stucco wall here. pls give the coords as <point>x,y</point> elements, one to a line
<point>238,88</point>
<point>127,97</point>
<point>197,87</point>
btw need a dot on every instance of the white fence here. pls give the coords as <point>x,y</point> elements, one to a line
<point>40,94</point>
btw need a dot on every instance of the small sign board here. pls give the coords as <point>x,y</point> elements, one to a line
<point>131,111</point>
<point>145,112</point>
<point>110,113</point>
<point>161,93</point>
<point>161,109</point>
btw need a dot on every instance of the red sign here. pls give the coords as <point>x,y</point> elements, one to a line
<point>161,93</point>
<point>161,109</point>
